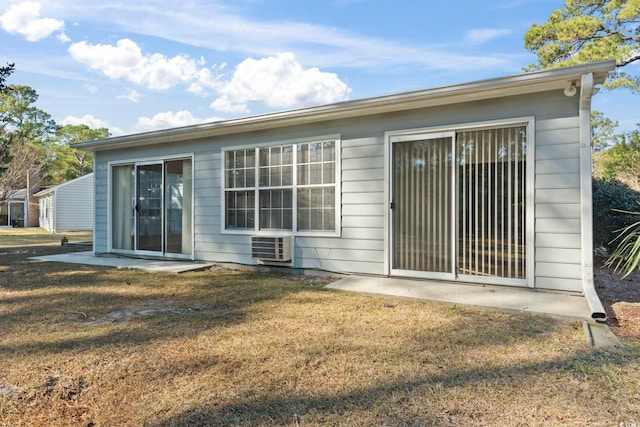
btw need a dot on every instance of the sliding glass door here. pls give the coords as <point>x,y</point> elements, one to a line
<point>422,206</point>
<point>152,207</point>
<point>149,207</point>
<point>459,205</point>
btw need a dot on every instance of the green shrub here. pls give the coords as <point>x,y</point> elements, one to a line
<point>610,194</point>
<point>626,257</point>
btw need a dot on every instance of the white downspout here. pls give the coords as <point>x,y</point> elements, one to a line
<point>586,197</point>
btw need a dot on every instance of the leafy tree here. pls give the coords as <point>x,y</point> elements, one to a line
<point>590,30</point>
<point>603,133</point>
<point>5,72</point>
<point>622,161</point>
<point>22,122</point>
<point>23,128</point>
<point>67,162</point>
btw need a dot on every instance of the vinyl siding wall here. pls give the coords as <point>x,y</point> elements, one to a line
<point>70,206</point>
<point>360,248</point>
<point>74,205</point>
<point>46,212</point>
<point>558,245</point>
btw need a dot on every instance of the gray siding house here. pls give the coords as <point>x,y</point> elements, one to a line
<point>486,182</point>
<point>67,206</point>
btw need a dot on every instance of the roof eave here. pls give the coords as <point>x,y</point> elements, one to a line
<point>521,84</point>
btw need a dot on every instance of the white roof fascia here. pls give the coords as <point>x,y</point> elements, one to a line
<point>45,192</point>
<point>539,81</point>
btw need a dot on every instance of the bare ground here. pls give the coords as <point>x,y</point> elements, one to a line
<point>621,299</point>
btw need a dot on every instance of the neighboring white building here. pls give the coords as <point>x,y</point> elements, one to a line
<point>68,206</point>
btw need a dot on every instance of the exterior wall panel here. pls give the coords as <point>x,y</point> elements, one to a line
<point>74,205</point>
<point>69,206</point>
<point>558,209</point>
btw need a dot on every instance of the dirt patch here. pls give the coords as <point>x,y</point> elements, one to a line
<point>621,299</point>
<point>154,308</point>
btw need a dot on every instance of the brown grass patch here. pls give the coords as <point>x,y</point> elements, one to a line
<point>38,236</point>
<point>95,346</point>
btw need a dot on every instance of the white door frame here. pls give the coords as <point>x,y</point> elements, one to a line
<point>135,163</point>
<point>392,137</point>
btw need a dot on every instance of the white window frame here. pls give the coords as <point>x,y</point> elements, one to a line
<point>391,137</point>
<point>278,232</point>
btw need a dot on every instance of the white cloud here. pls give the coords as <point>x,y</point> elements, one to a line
<point>484,35</point>
<point>224,27</point>
<point>92,122</point>
<point>24,18</point>
<point>226,105</point>
<point>279,81</point>
<point>170,120</point>
<point>322,45</point>
<point>63,38</point>
<point>126,61</point>
<point>132,96</point>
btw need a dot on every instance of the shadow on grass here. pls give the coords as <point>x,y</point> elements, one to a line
<point>102,306</point>
<point>338,408</point>
<point>16,237</point>
<point>437,350</point>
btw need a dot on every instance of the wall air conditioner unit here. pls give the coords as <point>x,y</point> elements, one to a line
<point>271,249</point>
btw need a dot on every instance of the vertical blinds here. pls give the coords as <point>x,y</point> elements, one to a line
<point>491,208</point>
<point>422,214</point>
<point>481,203</point>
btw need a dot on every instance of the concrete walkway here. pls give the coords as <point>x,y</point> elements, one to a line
<point>119,261</point>
<point>561,305</point>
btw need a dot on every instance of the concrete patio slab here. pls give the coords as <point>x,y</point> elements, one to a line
<point>561,305</point>
<point>119,261</point>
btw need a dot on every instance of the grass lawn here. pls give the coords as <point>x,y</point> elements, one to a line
<point>90,346</point>
<point>38,236</point>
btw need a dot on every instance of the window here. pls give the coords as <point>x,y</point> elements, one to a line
<point>316,186</point>
<point>240,176</point>
<point>288,187</point>
<point>276,188</point>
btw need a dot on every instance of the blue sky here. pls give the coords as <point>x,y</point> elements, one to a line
<point>140,65</point>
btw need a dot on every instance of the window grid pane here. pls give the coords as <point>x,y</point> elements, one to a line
<point>276,209</point>
<point>276,166</point>
<point>240,169</point>
<point>240,207</point>
<point>316,209</point>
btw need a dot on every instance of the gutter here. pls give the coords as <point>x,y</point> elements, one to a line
<point>586,196</point>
